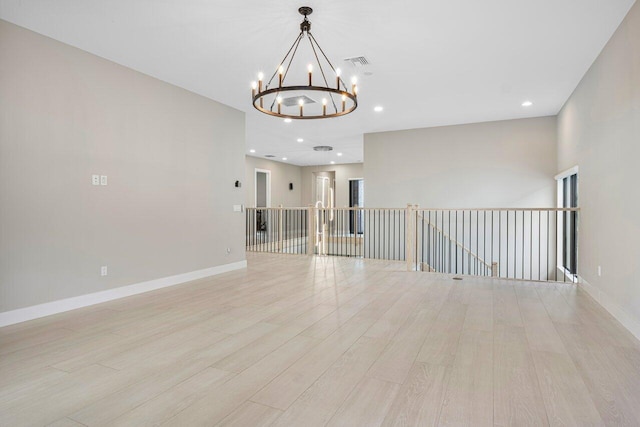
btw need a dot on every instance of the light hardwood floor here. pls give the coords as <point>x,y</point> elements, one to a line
<point>310,341</point>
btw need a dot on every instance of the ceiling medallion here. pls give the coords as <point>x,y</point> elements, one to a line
<point>298,101</point>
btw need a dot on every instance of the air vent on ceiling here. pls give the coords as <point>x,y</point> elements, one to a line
<point>322,148</point>
<point>357,61</point>
<point>294,100</point>
<point>269,155</point>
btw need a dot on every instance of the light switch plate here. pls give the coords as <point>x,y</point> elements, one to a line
<point>237,208</point>
<point>103,179</point>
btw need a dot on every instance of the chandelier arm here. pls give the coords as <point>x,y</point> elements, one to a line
<point>321,70</point>
<point>296,42</point>
<point>286,71</point>
<point>295,45</point>
<point>325,57</point>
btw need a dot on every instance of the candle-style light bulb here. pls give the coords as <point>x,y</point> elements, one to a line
<point>301,103</point>
<point>254,85</point>
<point>338,72</point>
<point>280,75</point>
<point>279,100</point>
<point>324,106</point>
<point>354,80</point>
<point>344,102</point>
<point>310,69</point>
<point>260,78</point>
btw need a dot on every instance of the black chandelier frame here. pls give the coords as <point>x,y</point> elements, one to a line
<point>340,89</point>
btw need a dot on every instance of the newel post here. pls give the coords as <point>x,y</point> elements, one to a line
<point>280,237</point>
<point>311,230</point>
<point>408,238</point>
<point>494,269</point>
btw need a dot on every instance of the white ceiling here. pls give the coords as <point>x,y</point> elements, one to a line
<point>434,62</point>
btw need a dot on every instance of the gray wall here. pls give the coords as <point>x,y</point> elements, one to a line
<point>171,158</point>
<point>281,175</point>
<point>599,130</point>
<point>494,164</point>
<point>343,173</point>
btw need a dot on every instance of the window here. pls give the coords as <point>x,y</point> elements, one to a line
<point>568,222</point>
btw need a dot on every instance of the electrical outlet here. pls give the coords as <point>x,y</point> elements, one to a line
<point>103,179</point>
<point>103,270</point>
<point>95,179</point>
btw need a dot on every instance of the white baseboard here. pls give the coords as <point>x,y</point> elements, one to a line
<point>631,324</point>
<point>60,306</point>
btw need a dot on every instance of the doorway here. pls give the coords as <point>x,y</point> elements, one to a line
<point>262,185</point>
<point>356,199</point>
<point>262,188</point>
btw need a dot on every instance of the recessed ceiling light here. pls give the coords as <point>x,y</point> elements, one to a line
<point>300,140</point>
<point>252,151</point>
<point>284,158</point>
<point>339,154</point>
<point>332,162</point>
<point>527,104</point>
<point>287,120</point>
<point>378,108</point>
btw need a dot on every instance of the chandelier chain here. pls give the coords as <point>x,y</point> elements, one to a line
<point>295,43</point>
<point>286,70</point>
<point>330,64</point>
<point>311,40</point>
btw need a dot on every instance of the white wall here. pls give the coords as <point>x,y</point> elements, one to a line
<point>171,158</point>
<point>599,130</point>
<point>281,175</point>
<point>494,164</point>
<point>343,173</point>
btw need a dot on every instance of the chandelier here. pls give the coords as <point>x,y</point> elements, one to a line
<point>319,98</point>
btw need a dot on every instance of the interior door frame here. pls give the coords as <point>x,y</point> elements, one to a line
<point>255,186</point>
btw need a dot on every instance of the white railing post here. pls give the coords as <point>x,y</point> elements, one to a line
<point>280,237</point>
<point>408,238</point>
<point>356,224</point>
<point>311,230</point>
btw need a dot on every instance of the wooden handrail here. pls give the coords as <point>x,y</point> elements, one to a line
<point>435,209</point>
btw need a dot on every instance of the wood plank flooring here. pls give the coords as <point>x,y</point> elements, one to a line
<point>312,341</point>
